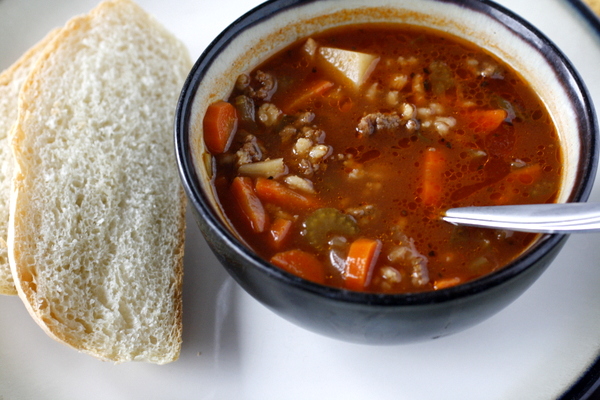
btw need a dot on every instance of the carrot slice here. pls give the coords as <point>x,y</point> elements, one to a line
<point>516,179</point>
<point>526,175</point>
<point>242,190</point>
<point>486,121</point>
<point>271,191</point>
<point>318,88</point>
<point>433,168</point>
<point>220,125</point>
<point>446,283</point>
<point>300,263</point>
<point>279,232</point>
<point>361,258</point>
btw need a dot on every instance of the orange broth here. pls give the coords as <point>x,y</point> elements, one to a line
<point>348,181</point>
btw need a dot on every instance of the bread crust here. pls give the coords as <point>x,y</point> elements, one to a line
<point>82,285</point>
<point>11,80</point>
<point>594,5</point>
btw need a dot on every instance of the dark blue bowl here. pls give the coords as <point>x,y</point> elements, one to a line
<point>367,317</point>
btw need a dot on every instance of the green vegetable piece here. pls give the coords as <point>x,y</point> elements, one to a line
<point>325,222</point>
<point>441,77</point>
<point>245,108</point>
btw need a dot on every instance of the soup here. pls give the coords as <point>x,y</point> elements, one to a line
<point>335,157</point>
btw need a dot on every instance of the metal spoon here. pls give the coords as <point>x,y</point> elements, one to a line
<point>541,218</point>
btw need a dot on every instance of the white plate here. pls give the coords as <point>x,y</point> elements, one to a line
<point>234,348</point>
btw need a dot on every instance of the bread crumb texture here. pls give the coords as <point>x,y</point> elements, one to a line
<point>97,222</point>
<point>594,5</point>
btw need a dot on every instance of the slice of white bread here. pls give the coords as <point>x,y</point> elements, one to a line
<point>97,224</point>
<point>11,81</point>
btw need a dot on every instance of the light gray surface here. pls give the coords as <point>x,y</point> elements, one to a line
<point>234,348</point>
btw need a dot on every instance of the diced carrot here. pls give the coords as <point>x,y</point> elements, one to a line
<point>517,179</point>
<point>486,121</point>
<point>271,191</point>
<point>433,166</point>
<point>526,175</point>
<point>446,283</point>
<point>318,88</point>
<point>220,125</point>
<point>361,258</point>
<point>243,191</point>
<point>300,263</point>
<point>279,232</point>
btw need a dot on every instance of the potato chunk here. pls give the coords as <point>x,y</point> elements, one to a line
<point>349,65</point>
<point>266,169</point>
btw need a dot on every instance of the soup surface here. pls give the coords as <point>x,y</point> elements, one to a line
<point>335,157</point>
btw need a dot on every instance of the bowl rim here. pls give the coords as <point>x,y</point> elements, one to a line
<point>587,121</point>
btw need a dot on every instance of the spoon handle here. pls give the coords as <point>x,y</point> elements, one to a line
<point>541,218</point>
